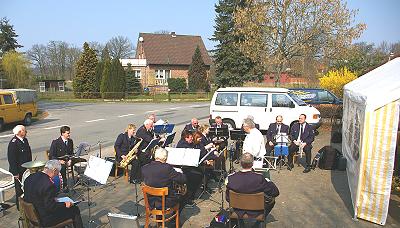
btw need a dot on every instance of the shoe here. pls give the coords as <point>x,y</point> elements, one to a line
<point>306,170</point>
<point>290,167</point>
<point>135,181</point>
<point>190,204</point>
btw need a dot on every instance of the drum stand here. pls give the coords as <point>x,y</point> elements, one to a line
<point>136,200</point>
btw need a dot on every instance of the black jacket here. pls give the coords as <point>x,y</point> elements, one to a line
<point>272,131</point>
<point>59,149</point>
<point>183,144</point>
<point>41,192</point>
<point>189,127</point>
<point>146,135</point>
<point>158,175</point>
<point>307,136</point>
<point>250,182</point>
<point>123,145</point>
<point>18,153</point>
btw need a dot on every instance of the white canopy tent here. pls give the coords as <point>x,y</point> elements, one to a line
<point>370,120</point>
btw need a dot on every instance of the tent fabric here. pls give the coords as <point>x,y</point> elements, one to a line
<point>370,120</point>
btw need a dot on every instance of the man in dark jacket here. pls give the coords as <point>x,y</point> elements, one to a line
<point>123,145</point>
<point>302,135</point>
<point>159,174</point>
<point>247,181</point>
<point>18,153</point>
<point>274,129</point>
<point>40,190</point>
<point>192,126</point>
<point>60,147</point>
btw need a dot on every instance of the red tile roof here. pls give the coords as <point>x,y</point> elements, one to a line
<point>166,49</point>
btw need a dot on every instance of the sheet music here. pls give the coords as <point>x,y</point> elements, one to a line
<point>98,169</point>
<point>183,156</point>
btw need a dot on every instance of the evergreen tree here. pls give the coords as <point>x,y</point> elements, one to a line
<point>8,41</point>
<point>119,76</point>
<point>113,80</point>
<point>232,67</point>
<point>197,75</point>
<point>100,67</point>
<point>84,82</point>
<point>133,84</point>
<point>106,80</point>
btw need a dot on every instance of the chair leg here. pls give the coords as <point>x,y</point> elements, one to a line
<point>147,220</point>
<point>177,219</point>
<point>116,171</point>
<point>126,175</point>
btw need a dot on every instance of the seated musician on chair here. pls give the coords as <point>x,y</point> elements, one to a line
<point>159,174</point>
<point>41,192</point>
<point>62,146</point>
<point>274,129</point>
<point>192,126</point>
<point>124,143</point>
<point>302,135</point>
<point>193,174</point>
<point>247,181</point>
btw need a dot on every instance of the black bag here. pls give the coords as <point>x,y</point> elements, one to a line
<point>341,163</point>
<point>221,220</point>
<point>328,159</point>
<point>315,160</point>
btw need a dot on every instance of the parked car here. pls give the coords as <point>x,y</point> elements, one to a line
<point>325,101</point>
<point>17,105</point>
<point>234,104</point>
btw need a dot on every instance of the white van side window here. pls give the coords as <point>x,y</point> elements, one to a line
<point>226,99</point>
<point>255,100</point>
<point>281,100</point>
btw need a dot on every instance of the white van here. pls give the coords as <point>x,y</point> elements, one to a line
<point>234,104</point>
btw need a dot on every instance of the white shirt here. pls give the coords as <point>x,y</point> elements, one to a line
<point>254,143</point>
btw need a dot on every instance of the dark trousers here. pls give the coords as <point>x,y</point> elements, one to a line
<point>64,214</point>
<point>269,149</point>
<point>194,179</point>
<point>18,190</point>
<point>136,169</point>
<point>294,148</point>
<point>63,172</point>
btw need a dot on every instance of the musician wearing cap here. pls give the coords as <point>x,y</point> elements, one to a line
<point>247,181</point>
<point>159,174</point>
<point>18,153</point>
<point>124,143</point>
<point>274,129</point>
<point>302,135</point>
<point>60,147</point>
<point>40,190</point>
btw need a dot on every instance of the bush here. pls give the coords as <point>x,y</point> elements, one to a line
<point>335,80</point>
<point>177,84</point>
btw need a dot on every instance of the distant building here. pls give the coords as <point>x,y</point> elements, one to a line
<point>285,79</point>
<point>51,85</point>
<point>162,56</point>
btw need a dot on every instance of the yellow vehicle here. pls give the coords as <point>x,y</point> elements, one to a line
<point>17,105</point>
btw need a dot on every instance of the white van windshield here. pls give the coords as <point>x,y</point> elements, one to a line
<point>297,99</point>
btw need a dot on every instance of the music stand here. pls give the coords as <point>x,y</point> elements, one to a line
<point>98,170</point>
<point>281,149</point>
<point>163,128</point>
<point>218,132</point>
<point>168,140</point>
<point>153,143</point>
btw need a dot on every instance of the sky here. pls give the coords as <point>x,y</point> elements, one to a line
<point>77,21</point>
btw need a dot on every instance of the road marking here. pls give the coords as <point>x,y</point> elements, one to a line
<point>194,106</point>
<point>89,121</point>
<point>131,114</point>
<point>175,108</point>
<point>48,128</point>
<point>152,111</point>
<point>6,136</point>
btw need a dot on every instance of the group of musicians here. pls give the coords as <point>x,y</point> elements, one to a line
<point>150,165</point>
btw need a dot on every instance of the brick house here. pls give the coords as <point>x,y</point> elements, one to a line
<point>162,56</point>
<point>285,79</point>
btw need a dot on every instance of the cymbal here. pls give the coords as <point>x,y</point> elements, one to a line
<point>33,164</point>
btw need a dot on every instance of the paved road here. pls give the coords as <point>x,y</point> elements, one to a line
<point>94,122</point>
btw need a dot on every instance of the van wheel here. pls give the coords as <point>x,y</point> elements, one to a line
<point>1,125</point>
<point>230,123</point>
<point>28,119</point>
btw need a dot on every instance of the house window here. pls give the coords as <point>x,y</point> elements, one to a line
<point>61,86</point>
<point>42,86</point>
<point>163,74</point>
<point>138,74</point>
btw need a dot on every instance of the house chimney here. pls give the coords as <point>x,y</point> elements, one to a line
<point>173,34</point>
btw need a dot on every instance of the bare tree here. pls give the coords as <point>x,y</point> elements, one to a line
<point>73,54</point>
<point>120,47</point>
<point>275,32</point>
<point>97,47</point>
<point>38,56</point>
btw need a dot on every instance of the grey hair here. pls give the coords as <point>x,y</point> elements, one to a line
<point>249,123</point>
<point>148,121</point>
<point>246,161</point>
<point>161,154</point>
<point>250,117</point>
<point>53,164</point>
<point>18,128</point>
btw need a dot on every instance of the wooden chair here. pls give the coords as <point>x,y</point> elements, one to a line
<point>253,202</point>
<point>117,167</point>
<point>32,216</point>
<point>161,192</point>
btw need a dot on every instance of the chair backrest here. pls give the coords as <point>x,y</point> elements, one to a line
<point>30,212</point>
<point>6,181</point>
<point>147,190</point>
<point>254,201</point>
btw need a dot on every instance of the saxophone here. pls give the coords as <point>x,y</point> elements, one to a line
<point>131,155</point>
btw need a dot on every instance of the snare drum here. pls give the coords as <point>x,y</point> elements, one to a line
<point>80,167</point>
